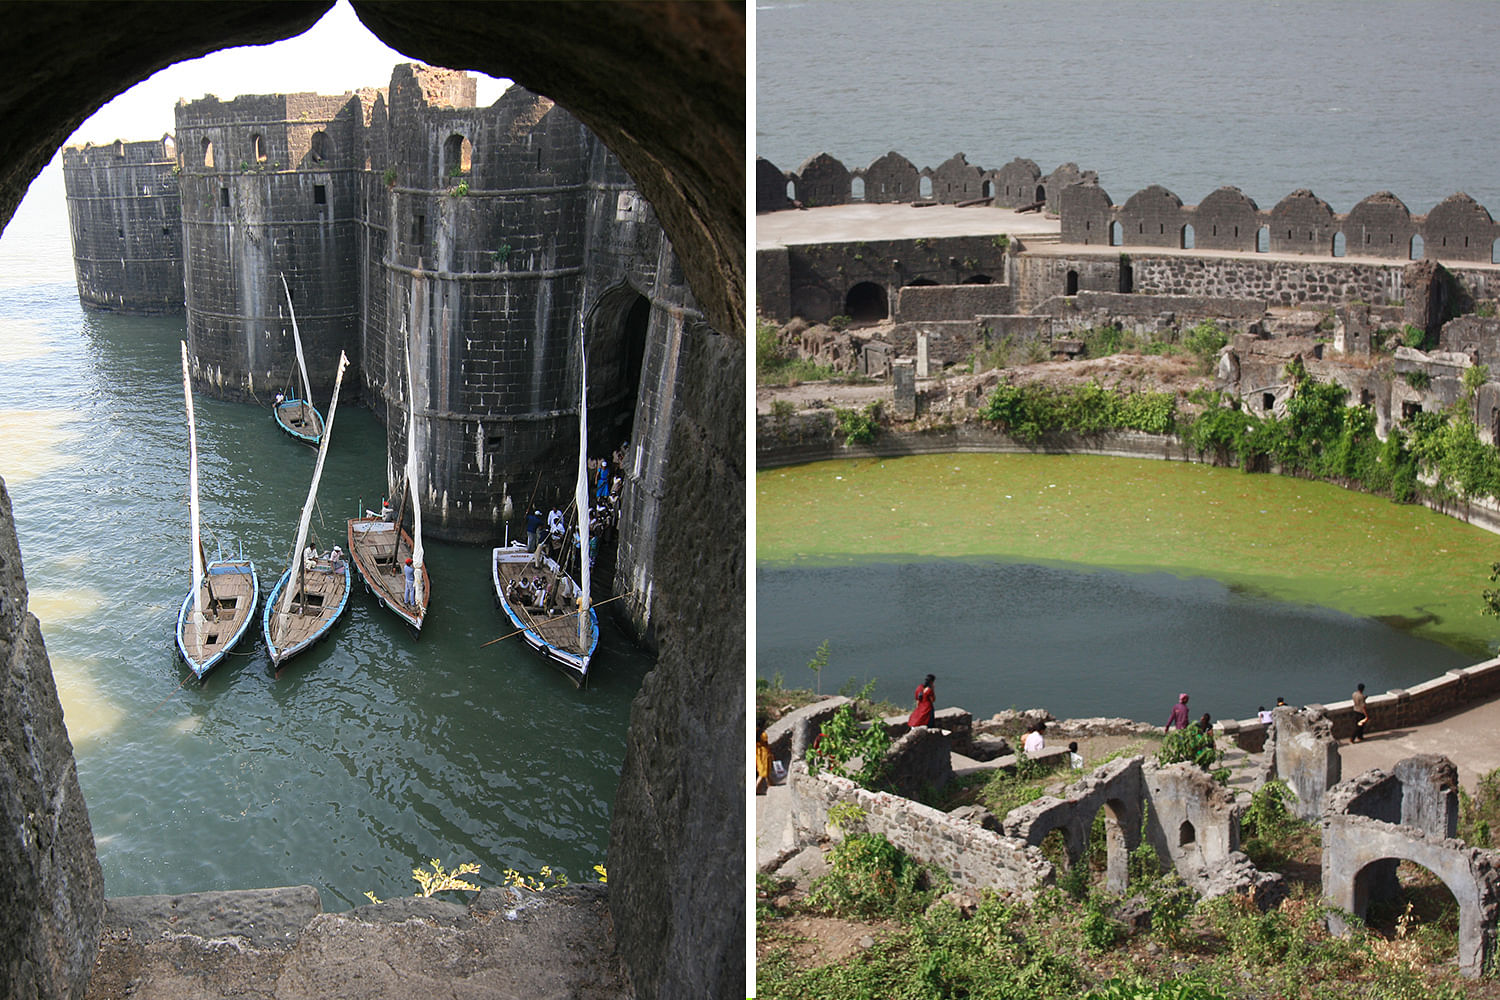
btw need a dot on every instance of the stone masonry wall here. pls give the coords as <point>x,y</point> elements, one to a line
<point>51,886</point>
<point>970,855</point>
<point>125,221</point>
<point>270,186</point>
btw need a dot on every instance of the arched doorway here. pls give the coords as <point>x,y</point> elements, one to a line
<point>1340,245</point>
<point>1416,248</point>
<point>1041,194</point>
<point>866,302</point>
<point>856,189</point>
<point>615,342</point>
<point>1071,287</point>
<point>1116,234</point>
<point>1263,239</point>
<point>1188,238</point>
<point>978,279</point>
<point>924,187</point>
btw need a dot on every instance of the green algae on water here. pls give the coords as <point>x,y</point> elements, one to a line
<point>1290,539</point>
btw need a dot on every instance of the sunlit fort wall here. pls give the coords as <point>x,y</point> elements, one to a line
<point>125,222</point>
<point>1299,252</point>
<point>488,239</point>
<point>1457,229</point>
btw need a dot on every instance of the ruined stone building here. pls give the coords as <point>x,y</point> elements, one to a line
<point>489,240</point>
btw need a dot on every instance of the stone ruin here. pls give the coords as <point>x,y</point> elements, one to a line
<point>1373,822</point>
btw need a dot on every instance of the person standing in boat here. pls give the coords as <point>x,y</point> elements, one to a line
<point>925,695</point>
<point>534,522</point>
<point>409,594</point>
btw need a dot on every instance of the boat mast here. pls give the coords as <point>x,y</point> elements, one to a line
<point>298,567</point>
<point>200,576</point>
<point>411,483</point>
<point>583,493</point>
<point>297,340</point>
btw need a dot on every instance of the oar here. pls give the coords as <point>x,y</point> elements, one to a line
<point>574,614</point>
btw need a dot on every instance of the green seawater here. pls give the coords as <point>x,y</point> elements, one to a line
<point>374,752</point>
<point>1285,539</point>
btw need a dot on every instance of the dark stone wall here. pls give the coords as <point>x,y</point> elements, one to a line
<point>822,181</point>
<point>892,179</point>
<point>773,284</point>
<point>1227,219</point>
<point>820,275</point>
<point>270,186</point>
<point>1380,226</point>
<point>938,303</point>
<point>956,180</point>
<point>51,887</point>
<point>679,809</point>
<point>125,220</point>
<point>770,187</point>
<point>1153,218</point>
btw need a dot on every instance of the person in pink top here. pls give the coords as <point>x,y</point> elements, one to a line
<point>1179,717</point>
<point>922,714</point>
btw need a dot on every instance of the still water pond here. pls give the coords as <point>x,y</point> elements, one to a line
<point>373,751</point>
<point>1096,586</point>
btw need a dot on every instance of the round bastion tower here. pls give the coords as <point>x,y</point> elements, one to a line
<point>270,187</point>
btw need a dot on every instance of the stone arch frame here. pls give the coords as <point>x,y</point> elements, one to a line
<point>458,152</point>
<point>671,106</point>
<point>1227,219</point>
<point>615,362</point>
<point>258,147</point>
<point>856,188</point>
<point>1117,789</point>
<point>1156,216</point>
<point>320,148</point>
<point>208,153</point>
<point>891,179</point>
<point>1359,853</point>
<point>850,299</point>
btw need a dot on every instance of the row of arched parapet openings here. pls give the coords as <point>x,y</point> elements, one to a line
<point>893,179</point>
<point>1458,228</point>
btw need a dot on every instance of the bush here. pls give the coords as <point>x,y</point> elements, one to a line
<point>859,426</point>
<point>1191,745</point>
<point>844,740</point>
<point>868,876</point>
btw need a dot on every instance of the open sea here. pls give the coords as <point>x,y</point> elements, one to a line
<point>1345,98</point>
<point>374,752</point>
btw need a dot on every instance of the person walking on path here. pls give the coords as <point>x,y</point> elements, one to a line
<point>1361,714</point>
<point>1179,717</point>
<point>922,714</point>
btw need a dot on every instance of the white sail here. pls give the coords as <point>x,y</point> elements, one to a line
<point>298,568</point>
<point>583,495</point>
<point>197,538</point>
<point>411,480</point>
<point>297,340</point>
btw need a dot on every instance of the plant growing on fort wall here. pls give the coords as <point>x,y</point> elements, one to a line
<point>840,322</point>
<point>859,426</point>
<point>500,254</point>
<point>389,177</point>
<point>818,662</point>
<point>851,749</point>
<point>462,190</point>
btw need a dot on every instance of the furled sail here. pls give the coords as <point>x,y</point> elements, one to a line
<point>312,493</point>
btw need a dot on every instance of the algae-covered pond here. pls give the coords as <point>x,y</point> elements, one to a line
<point>1093,585</point>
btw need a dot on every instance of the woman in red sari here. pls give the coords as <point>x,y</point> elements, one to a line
<point>922,714</point>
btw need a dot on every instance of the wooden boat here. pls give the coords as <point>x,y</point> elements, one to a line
<point>220,605</point>
<point>381,548</point>
<point>561,626</point>
<point>312,594</point>
<point>553,630</point>
<point>296,414</point>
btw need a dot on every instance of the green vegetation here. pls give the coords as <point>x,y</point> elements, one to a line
<point>859,426</point>
<point>1026,412</point>
<point>851,749</point>
<point>818,662</point>
<point>1067,943</point>
<point>775,365</point>
<point>1193,746</point>
<point>1203,342</point>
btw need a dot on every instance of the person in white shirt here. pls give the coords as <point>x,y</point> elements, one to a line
<point>1034,740</point>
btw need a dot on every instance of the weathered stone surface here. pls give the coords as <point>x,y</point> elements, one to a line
<point>1307,757</point>
<point>51,887</point>
<point>1236,875</point>
<point>793,733</point>
<point>979,816</point>
<point>275,944</point>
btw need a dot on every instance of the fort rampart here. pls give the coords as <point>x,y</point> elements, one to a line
<point>502,245</point>
<point>125,222</point>
<point>1457,229</point>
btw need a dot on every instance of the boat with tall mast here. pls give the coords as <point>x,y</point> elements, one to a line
<point>219,608</point>
<point>313,593</point>
<point>549,610</point>
<point>381,548</point>
<point>295,412</point>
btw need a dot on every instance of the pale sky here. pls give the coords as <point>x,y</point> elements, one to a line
<point>334,56</point>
